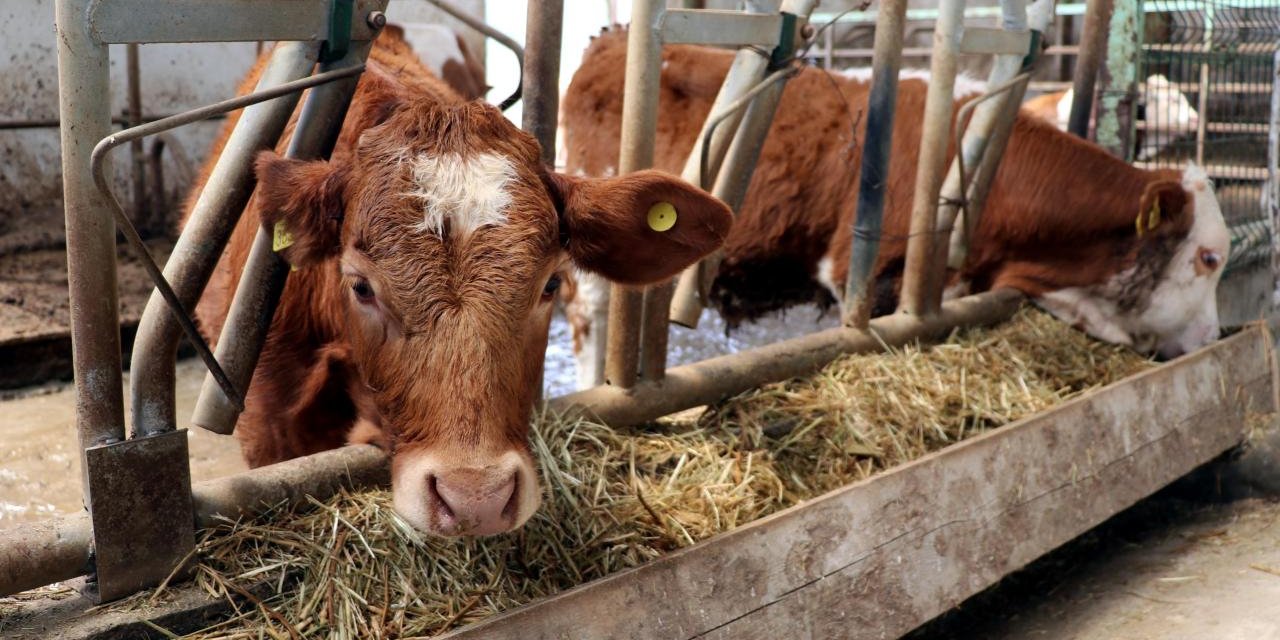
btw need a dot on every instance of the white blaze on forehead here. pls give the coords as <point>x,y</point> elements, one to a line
<point>469,191</point>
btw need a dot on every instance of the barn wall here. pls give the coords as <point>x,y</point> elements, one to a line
<point>175,77</point>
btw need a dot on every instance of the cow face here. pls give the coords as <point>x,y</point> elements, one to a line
<point>451,239</point>
<point>1165,301</point>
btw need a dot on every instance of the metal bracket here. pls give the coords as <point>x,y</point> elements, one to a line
<point>786,49</point>
<point>339,40</point>
<point>139,497</point>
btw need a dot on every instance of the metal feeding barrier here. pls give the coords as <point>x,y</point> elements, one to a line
<point>142,507</point>
<point>1218,64</point>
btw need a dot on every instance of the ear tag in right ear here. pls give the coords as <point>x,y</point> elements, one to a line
<point>662,216</point>
<point>280,237</point>
<point>1153,218</point>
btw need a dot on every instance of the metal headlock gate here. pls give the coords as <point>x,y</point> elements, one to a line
<point>142,506</point>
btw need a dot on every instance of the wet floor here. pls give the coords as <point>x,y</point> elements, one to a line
<point>40,467</point>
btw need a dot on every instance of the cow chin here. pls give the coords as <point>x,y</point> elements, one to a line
<point>464,494</point>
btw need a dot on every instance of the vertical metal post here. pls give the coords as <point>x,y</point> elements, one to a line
<point>263,279</point>
<point>542,74</point>
<point>1202,103</point>
<point>1117,95</point>
<point>732,180</point>
<point>916,297</point>
<point>84,108</point>
<point>207,230</point>
<point>748,68</point>
<point>886,62</point>
<point>142,217</point>
<point>1093,43</point>
<point>639,122</point>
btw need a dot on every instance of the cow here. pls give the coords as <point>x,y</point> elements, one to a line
<point>445,54</point>
<point>1166,112</point>
<point>1128,255</point>
<point>428,251</point>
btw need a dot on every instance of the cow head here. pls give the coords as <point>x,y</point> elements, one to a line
<point>451,238</point>
<point>1164,299</point>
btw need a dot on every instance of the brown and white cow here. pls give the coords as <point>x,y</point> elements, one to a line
<point>428,251</point>
<point>1059,224</point>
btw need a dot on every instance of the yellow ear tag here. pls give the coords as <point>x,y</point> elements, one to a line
<point>280,237</point>
<point>1153,218</point>
<point>662,216</point>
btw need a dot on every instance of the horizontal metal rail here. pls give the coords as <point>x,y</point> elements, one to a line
<point>98,168</point>
<point>151,21</point>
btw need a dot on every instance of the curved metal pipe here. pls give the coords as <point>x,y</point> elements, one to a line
<point>502,38</point>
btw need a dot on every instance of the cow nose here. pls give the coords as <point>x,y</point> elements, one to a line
<point>476,502</point>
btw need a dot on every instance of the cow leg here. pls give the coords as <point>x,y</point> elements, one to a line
<point>588,315</point>
<point>288,416</point>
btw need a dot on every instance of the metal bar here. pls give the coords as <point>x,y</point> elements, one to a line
<point>136,155</point>
<point>84,108</point>
<point>724,28</point>
<point>148,21</point>
<point>1093,43</point>
<point>1117,95</point>
<point>503,39</point>
<point>263,278</point>
<point>639,123</point>
<point>916,297</point>
<point>718,378</point>
<point>703,167</point>
<point>542,68</point>
<point>748,68</point>
<point>39,553</point>
<point>208,227</point>
<point>36,554</point>
<point>876,149</point>
<point>990,41</point>
<point>1203,102</point>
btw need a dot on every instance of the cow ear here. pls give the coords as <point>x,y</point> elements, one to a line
<point>302,203</point>
<point>640,228</point>
<point>1164,206</point>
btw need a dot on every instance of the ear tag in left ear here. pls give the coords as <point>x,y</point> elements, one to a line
<point>281,239</point>
<point>1153,218</point>
<point>662,216</point>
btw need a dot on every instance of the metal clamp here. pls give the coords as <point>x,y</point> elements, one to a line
<point>339,40</point>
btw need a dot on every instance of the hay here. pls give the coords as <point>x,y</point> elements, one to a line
<point>613,499</point>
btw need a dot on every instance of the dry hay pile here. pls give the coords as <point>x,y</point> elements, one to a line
<point>615,499</point>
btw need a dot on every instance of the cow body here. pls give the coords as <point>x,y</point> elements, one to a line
<point>1059,222</point>
<point>428,251</point>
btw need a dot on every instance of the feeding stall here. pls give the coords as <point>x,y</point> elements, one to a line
<point>875,558</point>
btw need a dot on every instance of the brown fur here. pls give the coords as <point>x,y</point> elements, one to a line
<point>446,357</point>
<point>1044,228</point>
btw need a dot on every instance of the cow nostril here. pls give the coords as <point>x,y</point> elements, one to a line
<point>513,501</point>
<point>433,494</point>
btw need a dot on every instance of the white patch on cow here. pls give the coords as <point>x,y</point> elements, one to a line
<point>588,315</point>
<point>825,275</point>
<point>965,86</point>
<point>434,44</point>
<point>1181,313</point>
<point>609,172</point>
<point>468,191</point>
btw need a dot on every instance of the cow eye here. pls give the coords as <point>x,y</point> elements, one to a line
<point>553,285</point>
<point>1210,259</point>
<point>364,292</point>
